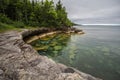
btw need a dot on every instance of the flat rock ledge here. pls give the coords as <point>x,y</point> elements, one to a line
<point>19,61</point>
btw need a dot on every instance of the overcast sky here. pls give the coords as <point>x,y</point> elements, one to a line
<point>93,11</point>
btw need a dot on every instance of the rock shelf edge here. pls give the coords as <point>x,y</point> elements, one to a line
<point>19,61</point>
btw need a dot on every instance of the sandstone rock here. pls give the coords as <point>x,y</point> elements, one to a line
<point>19,61</point>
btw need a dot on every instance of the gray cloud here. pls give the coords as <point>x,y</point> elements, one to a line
<point>94,10</point>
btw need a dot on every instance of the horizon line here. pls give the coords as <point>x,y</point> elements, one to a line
<point>102,24</point>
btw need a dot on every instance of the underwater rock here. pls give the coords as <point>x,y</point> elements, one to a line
<point>58,48</point>
<point>55,52</point>
<point>19,61</point>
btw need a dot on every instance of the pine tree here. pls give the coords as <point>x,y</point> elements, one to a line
<point>35,13</point>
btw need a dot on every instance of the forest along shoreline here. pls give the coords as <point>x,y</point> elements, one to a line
<point>31,35</point>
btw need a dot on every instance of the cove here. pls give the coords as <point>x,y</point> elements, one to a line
<point>97,52</point>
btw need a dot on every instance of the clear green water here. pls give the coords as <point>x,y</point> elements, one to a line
<point>96,52</point>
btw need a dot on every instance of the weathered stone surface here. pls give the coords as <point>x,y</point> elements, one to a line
<point>19,61</point>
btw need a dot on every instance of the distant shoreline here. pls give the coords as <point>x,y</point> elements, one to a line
<point>97,24</point>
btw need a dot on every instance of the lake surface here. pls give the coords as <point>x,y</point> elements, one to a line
<point>96,52</point>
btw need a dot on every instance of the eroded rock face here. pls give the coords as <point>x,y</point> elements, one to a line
<point>19,61</point>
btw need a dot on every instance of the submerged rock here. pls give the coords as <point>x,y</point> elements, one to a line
<point>58,48</point>
<point>19,61</point>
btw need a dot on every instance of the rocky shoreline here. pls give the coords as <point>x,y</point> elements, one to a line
<point>19,61</point>
<point>31,35</point>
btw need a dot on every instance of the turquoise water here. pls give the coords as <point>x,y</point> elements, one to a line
<point>96,52</point>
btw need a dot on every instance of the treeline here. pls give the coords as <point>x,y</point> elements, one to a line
<point>34,13</point>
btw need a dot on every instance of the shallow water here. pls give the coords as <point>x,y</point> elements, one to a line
<point>97,52</point>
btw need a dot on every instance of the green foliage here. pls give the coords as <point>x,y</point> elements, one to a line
<point>5,19</point>
<point>4,27</point>
<point>18,24</point>
<point>33,13</point>
<point>62,15</point>
<point>33,23</point>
